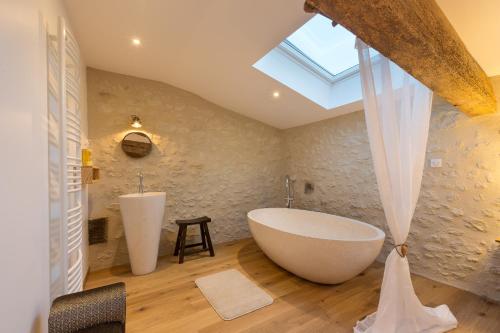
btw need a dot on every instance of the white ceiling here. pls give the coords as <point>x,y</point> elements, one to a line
<point>477,22</point>
<point>209,47</point>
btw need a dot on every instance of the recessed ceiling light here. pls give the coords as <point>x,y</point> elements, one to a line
<point>136,41</point>
<point>276,94</point>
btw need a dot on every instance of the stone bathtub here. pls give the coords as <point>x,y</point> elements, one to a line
<point>319,247</point>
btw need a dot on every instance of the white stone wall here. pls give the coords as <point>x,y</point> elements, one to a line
<point>214,162</point>
<point>457,219</point>
<point>209,160</point>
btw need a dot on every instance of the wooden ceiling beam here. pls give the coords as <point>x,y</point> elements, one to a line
<point>416,35</point>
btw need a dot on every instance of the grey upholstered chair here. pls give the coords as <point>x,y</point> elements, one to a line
<point>99,310</point>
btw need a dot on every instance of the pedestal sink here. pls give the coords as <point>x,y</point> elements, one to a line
<point>142,215</point>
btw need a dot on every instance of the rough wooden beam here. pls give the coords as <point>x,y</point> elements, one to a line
<point>416,35</point>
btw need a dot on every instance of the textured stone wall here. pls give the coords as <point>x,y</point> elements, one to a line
<point>214,162</point>
<point>209,160</point>
<point>457,218</point>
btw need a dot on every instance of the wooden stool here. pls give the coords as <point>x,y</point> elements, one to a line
<point>180,245</point>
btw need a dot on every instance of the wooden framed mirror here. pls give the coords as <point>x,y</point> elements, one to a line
<point>137,144</point>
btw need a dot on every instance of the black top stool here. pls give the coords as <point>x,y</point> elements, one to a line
<point>180,245</point>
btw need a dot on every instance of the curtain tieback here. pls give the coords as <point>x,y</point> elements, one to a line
<point>401,249</point>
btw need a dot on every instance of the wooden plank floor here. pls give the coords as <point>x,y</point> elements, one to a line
<point>168,300</point>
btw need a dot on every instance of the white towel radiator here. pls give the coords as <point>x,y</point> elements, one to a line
<point>65,162</point>
<point>71,157</point>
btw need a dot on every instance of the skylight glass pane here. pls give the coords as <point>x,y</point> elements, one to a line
<point>331,48</point>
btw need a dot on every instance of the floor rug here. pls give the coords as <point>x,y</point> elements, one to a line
<point>232,294</point>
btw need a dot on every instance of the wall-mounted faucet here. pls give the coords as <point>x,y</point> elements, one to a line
<point>289,191</point>
<point>141,182</point>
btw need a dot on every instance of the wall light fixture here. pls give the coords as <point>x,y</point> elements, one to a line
<point>135,121</point>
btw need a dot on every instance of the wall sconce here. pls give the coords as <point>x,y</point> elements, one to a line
<point>135,121</point>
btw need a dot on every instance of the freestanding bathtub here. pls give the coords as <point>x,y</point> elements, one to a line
<point>319,247</point>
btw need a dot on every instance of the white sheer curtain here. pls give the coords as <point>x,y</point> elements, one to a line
<point>397,111</point>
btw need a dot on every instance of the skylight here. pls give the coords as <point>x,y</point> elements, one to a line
<point>330,48</point>
<point>319,62</point>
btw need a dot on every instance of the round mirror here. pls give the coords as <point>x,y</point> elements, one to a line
<point>136,144</point>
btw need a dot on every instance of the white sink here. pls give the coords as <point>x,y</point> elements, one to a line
<point>142,215</point>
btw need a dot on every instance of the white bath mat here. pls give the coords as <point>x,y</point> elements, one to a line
<point>231,294</point>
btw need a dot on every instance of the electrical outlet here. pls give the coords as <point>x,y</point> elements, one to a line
<point>436,163</point>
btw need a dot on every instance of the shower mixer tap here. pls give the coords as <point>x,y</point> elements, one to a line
<point>289,191</point>
<point>141,182</point>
